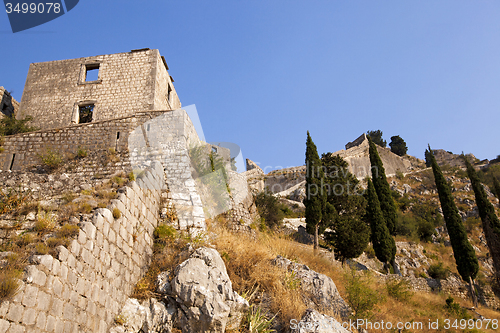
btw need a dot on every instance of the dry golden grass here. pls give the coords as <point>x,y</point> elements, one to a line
<point>248,264</point>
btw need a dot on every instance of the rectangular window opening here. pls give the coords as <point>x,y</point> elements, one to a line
<point>91,72</point>
<point>149,127</point>
<point>117,135</point>
<point>85,112</point>
<point>169,93</point>
<point>12,162</point>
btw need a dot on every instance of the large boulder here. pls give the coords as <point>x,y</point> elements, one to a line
<point>204,294</point>
<point>149,316</point>
<point>315,322</point>
<point>319,290</point>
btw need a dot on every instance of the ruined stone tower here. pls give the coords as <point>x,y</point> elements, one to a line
<point>67,92</point>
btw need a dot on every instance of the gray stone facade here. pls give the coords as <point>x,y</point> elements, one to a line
<point>125,84</point>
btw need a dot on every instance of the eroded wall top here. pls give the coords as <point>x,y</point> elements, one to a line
<point>60,93</point>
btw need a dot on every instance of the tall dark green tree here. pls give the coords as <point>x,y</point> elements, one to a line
<point>351,234</point>
<point>398,145</point>
<point>490,222</point>
<point>315,200</point>
<point>382,188</point>
<point>383,243</point>
<point>465,256</point>
<point>376,137</point>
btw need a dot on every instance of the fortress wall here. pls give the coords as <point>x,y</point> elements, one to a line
<point>358,158</point>
<point>24,150</point>
<point>54,89</point>
<point>87,284</point>
<point>163,99</point>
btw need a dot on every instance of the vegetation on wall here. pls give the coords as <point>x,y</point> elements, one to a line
<point>11,125</point>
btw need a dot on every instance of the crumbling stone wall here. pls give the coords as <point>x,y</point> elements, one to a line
<point>24,150</point>
<point>86,285</point>
<point>8,105</point>
<point>128,83</point>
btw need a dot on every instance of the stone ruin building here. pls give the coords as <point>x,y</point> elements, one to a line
<point>125,103</point>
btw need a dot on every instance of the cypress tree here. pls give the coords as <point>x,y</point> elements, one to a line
<point>490,222</point>
<point>382,188</point>
<point>315,198</point>
<point>351,234</point>
<point>383,243</point>
<point>465,256</point>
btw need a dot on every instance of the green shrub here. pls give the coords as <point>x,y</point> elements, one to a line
<point>116,213</point>
<point>165,233</point>
<point>11,125</point>
<point>360,296</point>
<point>56,241</point>
<point>269,208</point>
<point>25,239</point>
<point>118,180</point>
<point>455,309</point>
<point>438,271</point>
<point>257,321</point>
<point>131,176</point>
<point>370,252</point>
<point>68,231</point>
<point>425,230</point>
<point>11,199</point>
<point>45,222</point>
<point>51,159</point>
<point>85,208</point>
<point>9,284</point>
<point>399,289</point>
<point>81,153</point>
<point>41,248</point>
<point>120,320</point>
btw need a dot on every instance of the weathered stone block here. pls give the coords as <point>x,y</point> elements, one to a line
<point>33,275</point>
<point>82,238</point>
<point>29,316</point>
<point>75,249</point>
<point>15,312</point>
<point>43,301</point>
<point>51,324</point>
<point>41,320</point>
<point>30,294</point>
<point>15,328</point>
<point>4,325</point>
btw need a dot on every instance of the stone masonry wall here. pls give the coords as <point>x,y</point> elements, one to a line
<point>27,147</point>
<point>126,85</point>
<point>358,158</point>
<point>165,95</point>
<point>167,139</point>
<point>84,288</point>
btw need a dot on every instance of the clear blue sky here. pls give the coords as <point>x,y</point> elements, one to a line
<point>262,73</point>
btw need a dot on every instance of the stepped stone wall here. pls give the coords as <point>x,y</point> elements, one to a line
<point>87,284</point>
<point>127,83</point>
